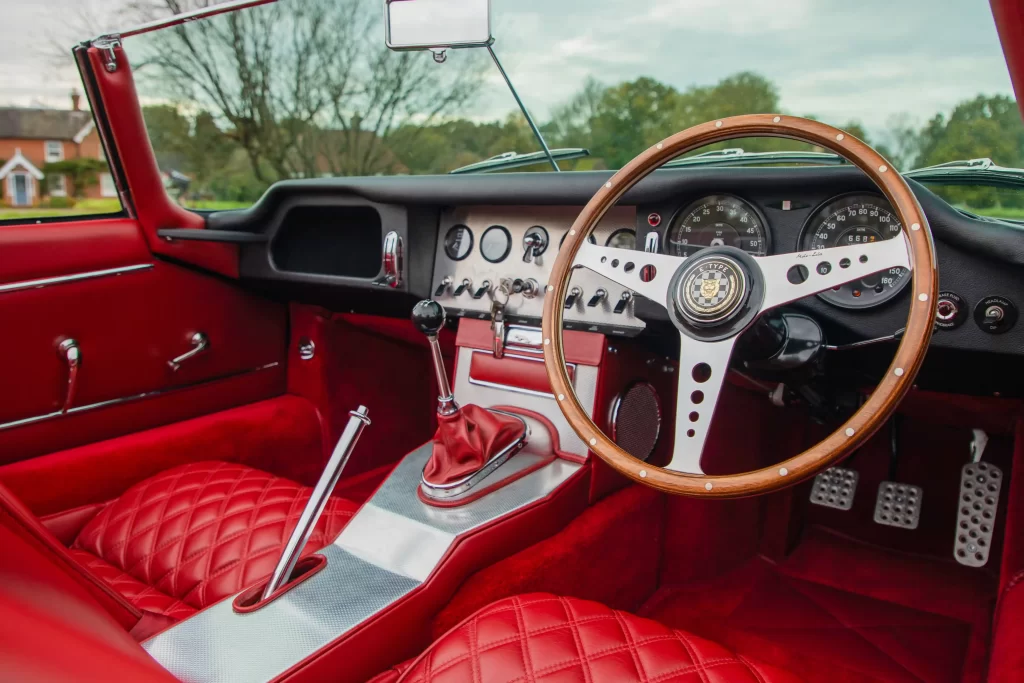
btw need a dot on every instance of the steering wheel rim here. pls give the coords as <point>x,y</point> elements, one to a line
<point>915,251</point>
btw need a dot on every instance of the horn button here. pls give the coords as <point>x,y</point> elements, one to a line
<point>716,293</point>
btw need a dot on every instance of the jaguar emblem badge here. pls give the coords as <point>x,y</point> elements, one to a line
<point>711,290</point>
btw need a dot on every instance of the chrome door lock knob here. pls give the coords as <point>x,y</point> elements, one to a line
<point>428,317</point>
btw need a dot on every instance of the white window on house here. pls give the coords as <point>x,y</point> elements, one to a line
<point>58,186</point>
<point>107,187</point>
<point>54,151</point>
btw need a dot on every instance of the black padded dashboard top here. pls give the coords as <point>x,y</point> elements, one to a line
<point>977,258</point>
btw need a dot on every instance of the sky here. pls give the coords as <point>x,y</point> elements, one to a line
<point>864,61</point>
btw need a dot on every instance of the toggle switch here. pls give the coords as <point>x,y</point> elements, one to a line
<point>443,287</point>
<point>484,288</point>
<point>598,297</point>
<point>623,302</point>
<point>466,284</point>
<point>574,294</point>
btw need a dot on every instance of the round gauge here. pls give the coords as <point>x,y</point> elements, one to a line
<point>623,238</point>
<point>719,220</point>
<point>856,219</point>
<point>495,244</point>
<point>591,239</point>
<point>458,242</point>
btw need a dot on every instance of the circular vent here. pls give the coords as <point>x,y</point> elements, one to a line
<point>636,420</point>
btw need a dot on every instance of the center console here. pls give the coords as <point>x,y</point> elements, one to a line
<point>367,600</point>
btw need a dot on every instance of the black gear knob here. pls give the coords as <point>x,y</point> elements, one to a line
<point>428,316</point>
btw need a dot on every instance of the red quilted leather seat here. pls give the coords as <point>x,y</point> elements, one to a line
<point>195,534</point>
<point>548,639</point>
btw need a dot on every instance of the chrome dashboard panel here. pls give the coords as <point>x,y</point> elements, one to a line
<point>389,548</point>
<point>517,220</point>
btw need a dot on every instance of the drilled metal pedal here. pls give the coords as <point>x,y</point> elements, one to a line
<point>898,504</point>
<point>980,483</point>
<point>835,488</point>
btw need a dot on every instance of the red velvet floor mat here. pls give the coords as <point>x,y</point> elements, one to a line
<point>837,610</point>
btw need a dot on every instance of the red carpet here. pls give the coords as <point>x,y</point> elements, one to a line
<point>838,610</point>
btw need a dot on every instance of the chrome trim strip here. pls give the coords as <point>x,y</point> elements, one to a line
<point>126,399</point>
<point>509,387</point>
<point>76,277</point>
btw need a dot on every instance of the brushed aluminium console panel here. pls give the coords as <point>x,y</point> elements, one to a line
<point>517,220</point>
<point>388,549</point>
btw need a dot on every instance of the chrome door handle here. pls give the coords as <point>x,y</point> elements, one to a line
<point>199,344</point>
<point>72,355</point>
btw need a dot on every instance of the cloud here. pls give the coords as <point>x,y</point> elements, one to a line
<point>842,61</point>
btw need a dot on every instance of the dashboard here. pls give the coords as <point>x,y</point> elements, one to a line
<point>471,240</point>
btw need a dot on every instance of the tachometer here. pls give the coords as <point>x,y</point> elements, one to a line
<point>856,219</point>
<point>717,220</point>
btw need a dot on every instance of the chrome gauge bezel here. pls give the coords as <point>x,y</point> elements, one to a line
<point>682,211</point>
<point>834,298</point>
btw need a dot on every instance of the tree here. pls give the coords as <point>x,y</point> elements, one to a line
<point>82,173</point>
<point>305,88</point>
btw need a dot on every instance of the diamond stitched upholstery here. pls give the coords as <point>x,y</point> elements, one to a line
<point>548,639</point>
<point>198,533</point>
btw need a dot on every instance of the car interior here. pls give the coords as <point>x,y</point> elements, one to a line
<point>459,427</point>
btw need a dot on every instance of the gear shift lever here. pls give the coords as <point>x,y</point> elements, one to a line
<point>428,317</point>
<point>471,442</point>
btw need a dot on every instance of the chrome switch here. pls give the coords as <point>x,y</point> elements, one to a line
<point>598,297</point>
<point>574,294</point>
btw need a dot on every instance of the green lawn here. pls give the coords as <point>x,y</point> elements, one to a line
<point>87,207</point>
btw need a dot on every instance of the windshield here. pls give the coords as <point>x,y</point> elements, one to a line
<point>307,89</point>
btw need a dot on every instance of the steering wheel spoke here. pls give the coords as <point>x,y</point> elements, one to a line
<point>702,369</point>
<point>788,277</point>
<point>644,273</point>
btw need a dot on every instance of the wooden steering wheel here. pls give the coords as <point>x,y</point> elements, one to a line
<point>719,292</point>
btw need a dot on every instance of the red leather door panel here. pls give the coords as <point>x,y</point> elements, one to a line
<point>127,327</point>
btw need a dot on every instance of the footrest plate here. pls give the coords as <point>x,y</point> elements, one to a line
<point>898,505</point>
<point>980,484</point>
<point>835,488</point>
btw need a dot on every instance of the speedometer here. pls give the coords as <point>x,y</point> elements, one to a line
<point>715,221</point>
<point>856,219</point>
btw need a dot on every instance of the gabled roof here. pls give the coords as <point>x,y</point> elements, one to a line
<point>43,124</point>
<point>20,161</point>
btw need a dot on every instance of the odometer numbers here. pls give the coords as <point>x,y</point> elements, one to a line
<point>850,220</point>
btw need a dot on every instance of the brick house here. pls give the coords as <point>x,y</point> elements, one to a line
<point>32,138</point>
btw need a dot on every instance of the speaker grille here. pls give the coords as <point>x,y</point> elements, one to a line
<point>636,420</point>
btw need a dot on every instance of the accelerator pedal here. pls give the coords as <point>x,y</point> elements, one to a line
<point>898,504</point>
<point>835,488</point>
<point>980,484</point>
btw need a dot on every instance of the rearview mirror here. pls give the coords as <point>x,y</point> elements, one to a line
<point>427,24</point>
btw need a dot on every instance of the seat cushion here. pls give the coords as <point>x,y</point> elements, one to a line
<point>195,534</point>
<point>545,638</point>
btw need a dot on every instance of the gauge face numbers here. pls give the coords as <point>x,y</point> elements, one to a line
<point>495,244</point>
<point>850,220</point>
<point>719,220</point>
<point>623,238</point>
<point>458,242</point>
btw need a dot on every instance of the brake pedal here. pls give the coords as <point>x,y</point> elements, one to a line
<point>898,505</point>
<point>980,484</point>
<point>835,488</point>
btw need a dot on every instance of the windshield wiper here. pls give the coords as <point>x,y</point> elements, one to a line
<point>969,172</point>
<point>507,160</point>
<point>736,156</point>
